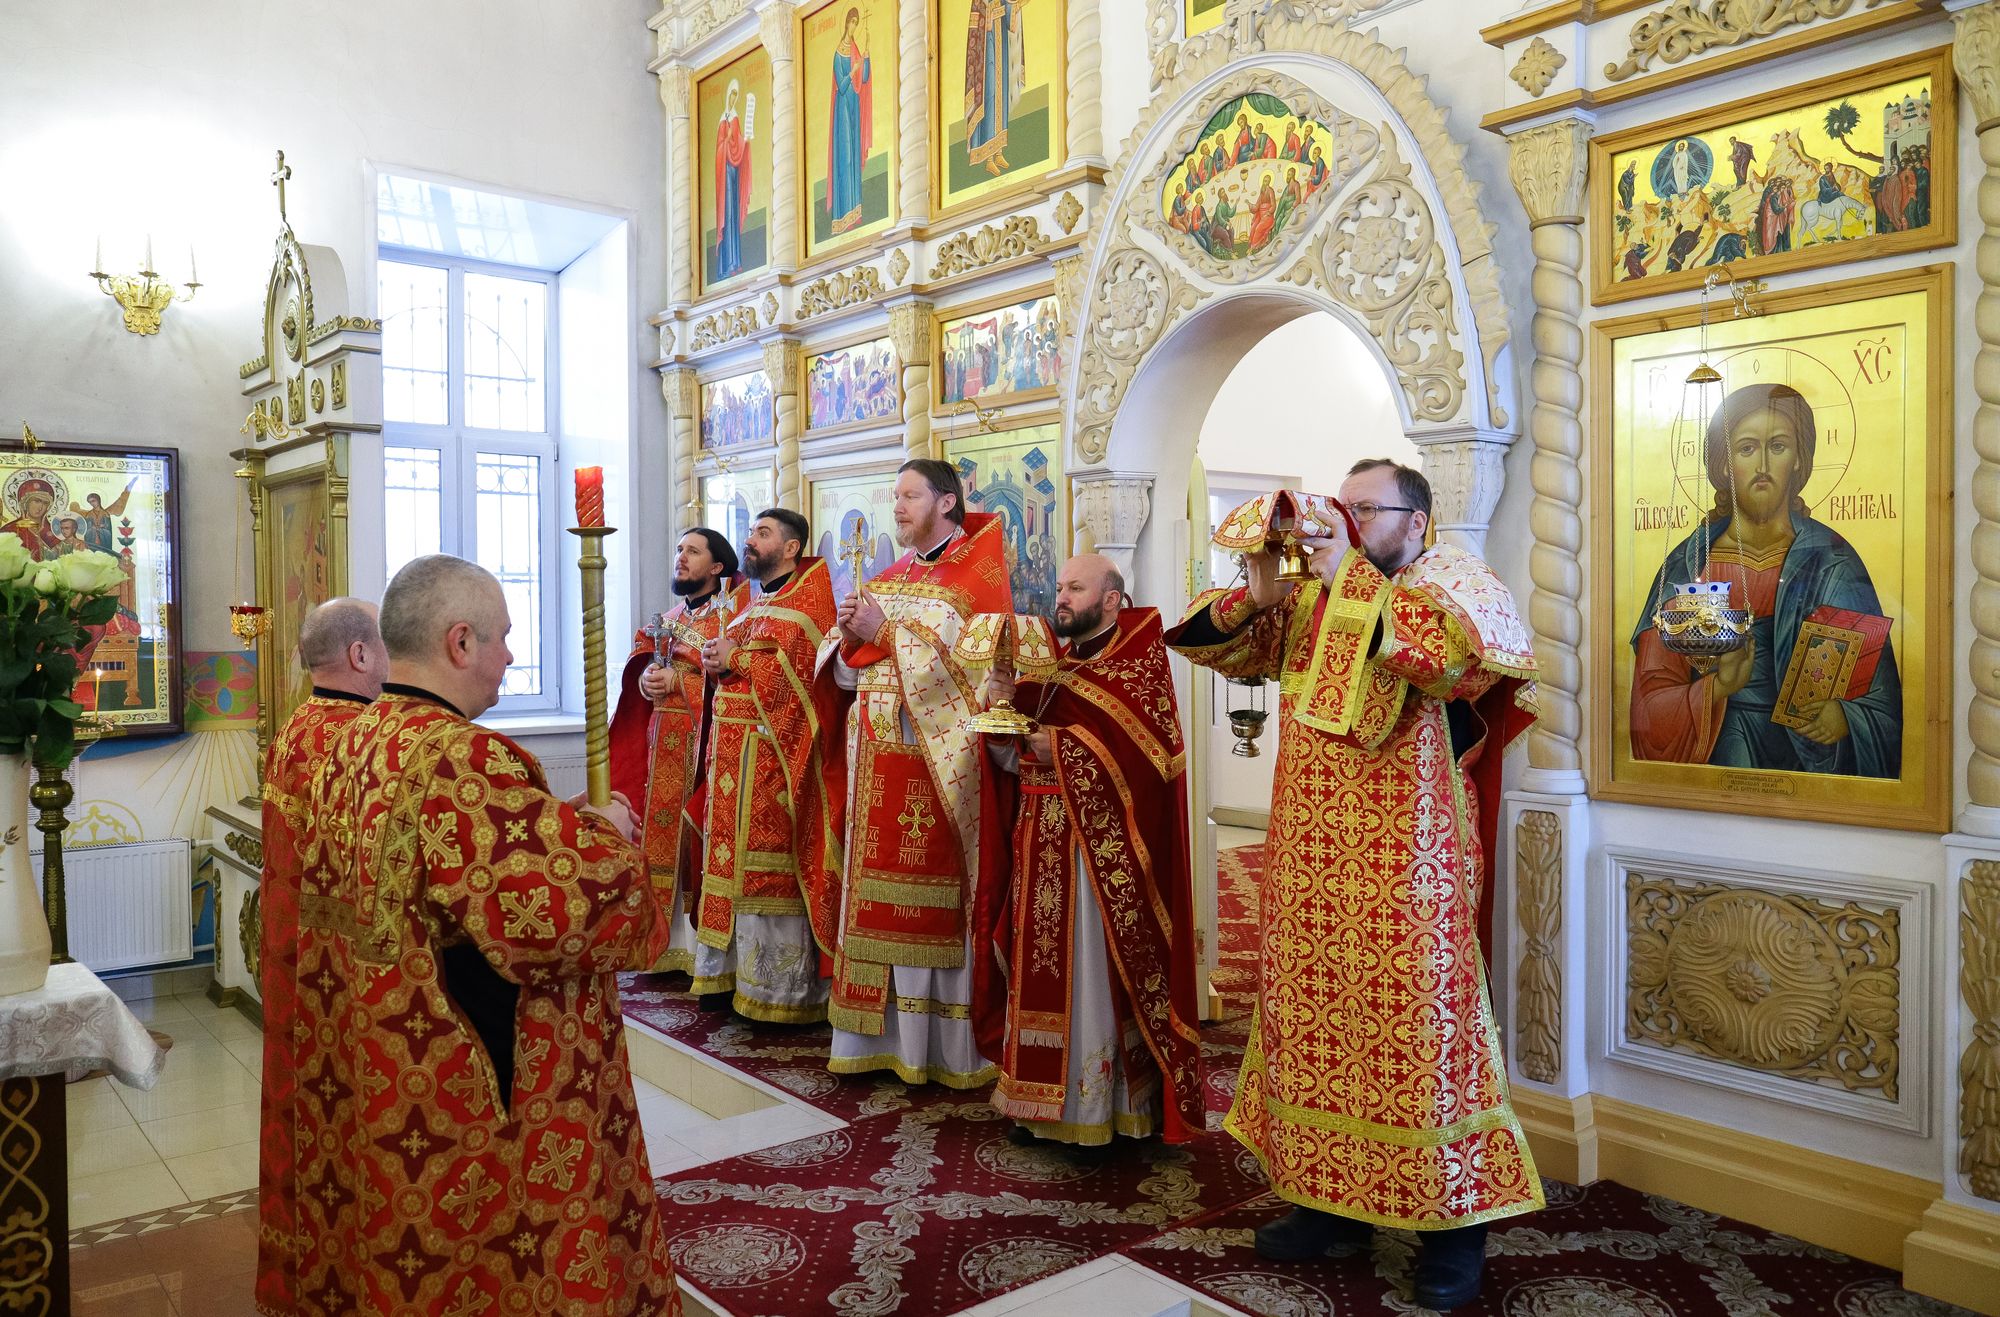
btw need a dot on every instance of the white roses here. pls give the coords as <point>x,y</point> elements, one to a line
<point>86,572</point>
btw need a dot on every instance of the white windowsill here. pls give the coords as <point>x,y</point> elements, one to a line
<point>533,724</point>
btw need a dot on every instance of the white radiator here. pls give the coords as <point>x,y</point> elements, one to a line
<point>129,904</point>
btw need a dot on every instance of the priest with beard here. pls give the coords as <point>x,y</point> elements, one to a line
<point>1091,1015</point>
<point>1373,1091</point>
<point>765,930</point>
<point>902,990</point>
<point>659,735</point>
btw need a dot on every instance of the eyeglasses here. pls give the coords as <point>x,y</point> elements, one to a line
<point>1366,512</point>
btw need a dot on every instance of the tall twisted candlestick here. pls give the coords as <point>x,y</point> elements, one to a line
<point>596,720</point>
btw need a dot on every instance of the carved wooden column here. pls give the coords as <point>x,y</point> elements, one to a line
<point>781,364</point>
<point>776,25</point>
<point>913,116</point>
<point>1547,165</point>
<point>676,95</point>
<point>1955,1253</point>
<point>1975,49</point>
<point>1547,822</point>
<point>910,330</point>
<point>1084,110</point>
<point>683,394</point>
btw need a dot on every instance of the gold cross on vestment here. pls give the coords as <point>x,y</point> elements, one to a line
<point>916,819</point>
<point>278,177</point>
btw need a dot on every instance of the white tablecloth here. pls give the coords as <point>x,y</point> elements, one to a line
<point>74,1023</point>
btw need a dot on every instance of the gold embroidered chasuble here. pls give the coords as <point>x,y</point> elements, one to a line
<point>659,750</point>
<point>917,769</point>
<point>772,843</point>
<point>465,1126</point>
<point>1107,811</point>
<point>294,758</point>
<point>1373,1084</point>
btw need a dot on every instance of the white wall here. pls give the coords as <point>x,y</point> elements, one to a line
<point>1308,401</point>
<point>1304,404</point>
<point>125,119</point>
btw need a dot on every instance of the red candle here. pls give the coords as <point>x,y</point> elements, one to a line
<point>590,496</point>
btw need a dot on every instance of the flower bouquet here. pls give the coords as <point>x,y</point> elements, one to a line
<point>51,614</point>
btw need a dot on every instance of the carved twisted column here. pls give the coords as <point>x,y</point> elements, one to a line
<point>776,26</point>
<point>1976,52</point>
<point>1547,166</point>
<point>781,363</point>
<point>913,120</point>
<point>1085,62</point>
<point>910,330</point>
<point>683,394</point>
<point>676,95</point>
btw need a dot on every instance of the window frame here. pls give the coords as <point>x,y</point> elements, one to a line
<point>459,444</point>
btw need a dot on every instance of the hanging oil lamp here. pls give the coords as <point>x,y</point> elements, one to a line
<point>1695,618</point>
<point>248,620</point>
<point>1246,721</point>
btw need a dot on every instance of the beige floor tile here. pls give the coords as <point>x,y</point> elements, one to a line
<point>221,1085</point>
<point>250,1051</point>
<point>229,1026</point>
<point>1123,1291</point>
<point>93,1106</point>
<point>663,1113</point>
<point>1227,837</point>
<point>201,1131</point>
<point>217,1171</point>
<point>193,1050</point>
<point>110,1195</point>
<point>116,1149</point>
<point>161,1012</point>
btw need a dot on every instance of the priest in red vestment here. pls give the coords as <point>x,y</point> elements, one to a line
<point>659,735</point>
<point>1091,917</point>
<point>902,983</point>
<point>770,880</point>
<point>1373,1090</point>
<point>466,1133</point>
<point>340,644</point>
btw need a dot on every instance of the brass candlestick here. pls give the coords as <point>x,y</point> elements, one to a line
<point>596,721</point>
<point>1003,719</point>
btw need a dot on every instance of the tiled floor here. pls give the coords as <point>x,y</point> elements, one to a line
<point>193,1137</point>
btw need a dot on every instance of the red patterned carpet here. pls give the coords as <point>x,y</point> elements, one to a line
<point>921,1206</point>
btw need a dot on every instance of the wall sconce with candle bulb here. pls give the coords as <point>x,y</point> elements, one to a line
<point>143,295</point>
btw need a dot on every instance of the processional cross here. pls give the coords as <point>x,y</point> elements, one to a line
<point>278,177</point>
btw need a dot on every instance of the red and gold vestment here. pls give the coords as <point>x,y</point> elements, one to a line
<point>293,759</point>
<point>659,751</point>
<point>466,1131</point>
<point>1114,794</point>
<point>773,844</point>
<point>917,768</point>
<point>1373,1084</point>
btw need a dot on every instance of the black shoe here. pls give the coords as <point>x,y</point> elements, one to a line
<point>1022,1137</point>
<point>716,1001</point>
<point>1306,1233</point>
<point>1449,1267</point>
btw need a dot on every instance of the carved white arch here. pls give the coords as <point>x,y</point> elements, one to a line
<point>1401,253</point>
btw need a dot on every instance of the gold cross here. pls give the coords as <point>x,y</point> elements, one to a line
<point>916,819</point>
<point>284,171</point>
<point>855,550</point>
